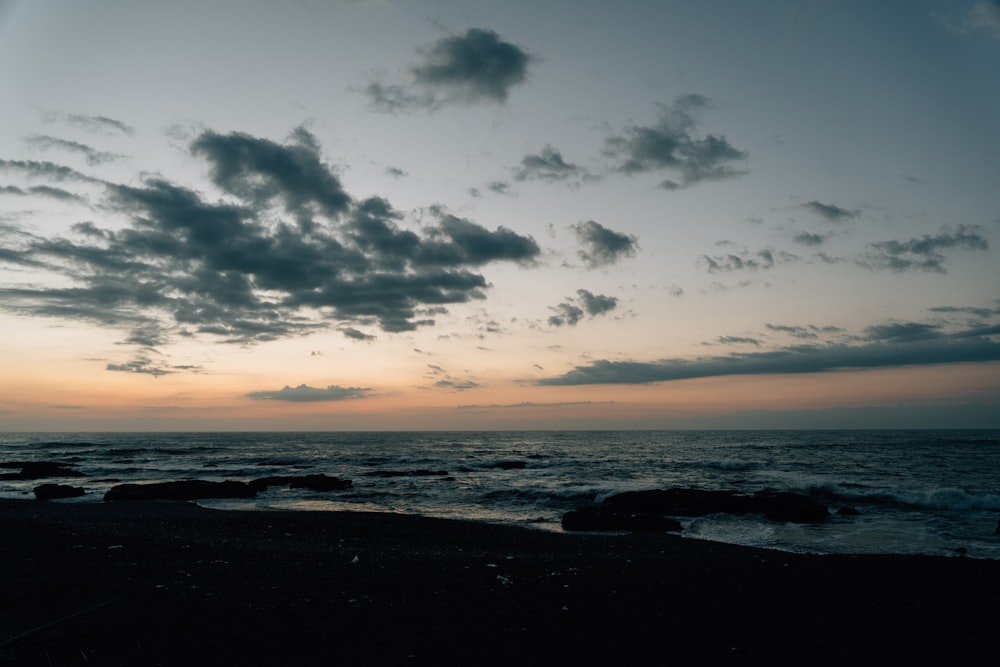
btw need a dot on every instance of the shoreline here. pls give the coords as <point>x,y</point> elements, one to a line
<point>173,583</point>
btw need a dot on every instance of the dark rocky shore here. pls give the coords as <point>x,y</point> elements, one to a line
<point>147,583</point>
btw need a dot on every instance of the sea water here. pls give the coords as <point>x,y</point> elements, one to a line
<point>916,492</point>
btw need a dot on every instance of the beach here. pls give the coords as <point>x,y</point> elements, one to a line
<point>147,583</point>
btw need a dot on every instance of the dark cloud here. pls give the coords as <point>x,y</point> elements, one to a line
<point>42,191</point>
<point>602,246</point>
<point>473,67</point>
<point>306,394</point>
<point>46,170</point>
<point>596,304</point>
<point>476,66</point>
<point>500,187</point>
<point>260,170</point>
<point>672,146</point>
<point>831,212</point>
<point>396,172</point>
<point>238,270</point>
<point>794,330</point>
<point>960,347</point>
<point>549,165</point>
<point>566,314</point>
<point>91,155</point>
<point>142,365</point>
<point>810,238</point>
<point>902,331</point>
<point>396,98</point>
<point>355,334</point>
<point>91,123</point>
<point>745,260</point>
<point>738,340</point>
<point>926,253</point>
<point>969,310</point>
<point>571,311</point>
<point>457,385</point>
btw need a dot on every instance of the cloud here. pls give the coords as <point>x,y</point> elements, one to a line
<point>396,172</point>
<point>672,146</point>
<point>42,191</point>
<point>46,170</point>
<point>926,253</point>
<point>446,380</point>
<point>91,123</point>
<point>571,311</point>
<point>566,314</point>
<point>550,166</point>
<point>984,16</point>
<point>810,239</point>
<point>738,340</point>
<point>306,394</point>
<point>602,246</point>
<point>942,348</point>
<point>91,155</point>
<point>474,67</point>
<point>351,332</point>
<point>831,212</point>
<point>178,263</point>
<point>260,170</point>
<point>745,261</point>
<point>142,365</point>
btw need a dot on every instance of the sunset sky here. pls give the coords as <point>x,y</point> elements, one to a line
<point>379,214</point>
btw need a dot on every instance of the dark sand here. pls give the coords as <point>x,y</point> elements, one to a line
<point>174,584</point>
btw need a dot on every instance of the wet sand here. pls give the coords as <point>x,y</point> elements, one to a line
<point>147,583</point>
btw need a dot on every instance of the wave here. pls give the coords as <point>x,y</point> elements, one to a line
<point>945,498</point>
<point>730,464</point>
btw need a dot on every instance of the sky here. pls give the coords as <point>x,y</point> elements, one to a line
<point>447,215</point>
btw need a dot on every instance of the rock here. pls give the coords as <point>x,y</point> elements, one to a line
<point>56,491</point>
<point>318,482</point>
<point>792,507</point>
<point>264,483</point>
<point>39,470</point>
<point>594,518</point>
<point>679,502</point>
<point>778,506</point>
<point>187,489</point>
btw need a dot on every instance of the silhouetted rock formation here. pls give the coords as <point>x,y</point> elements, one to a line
<point>39,470</point>
<point>56,491</point>
<point>188,489</point>
<point>622,508</point>
<point>319,482</point>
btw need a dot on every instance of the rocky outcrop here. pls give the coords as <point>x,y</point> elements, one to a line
<point>319,482</point>
<point>39,470</point>
<point>595,518</point>
<point>187,489</point>
<point>56,491</point>
<point>641,508</point>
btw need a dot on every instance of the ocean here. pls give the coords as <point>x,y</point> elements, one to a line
<point>916,492</point>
